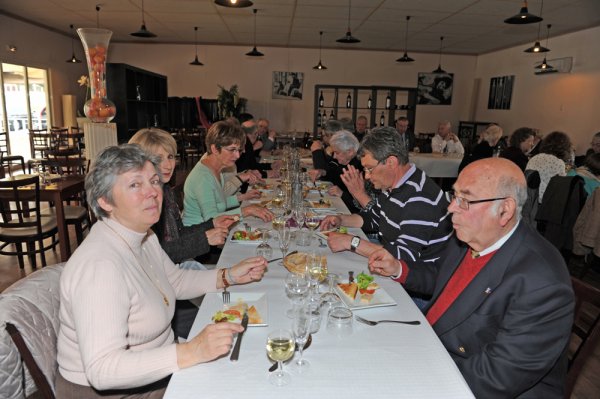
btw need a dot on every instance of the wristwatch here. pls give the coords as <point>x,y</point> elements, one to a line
<point>354,243</point>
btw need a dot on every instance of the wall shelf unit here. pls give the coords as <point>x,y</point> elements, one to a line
<point>402,102</point>
<point>140,97</point>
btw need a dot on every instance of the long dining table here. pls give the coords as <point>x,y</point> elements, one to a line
<point>383,361</point>
<point>436,164</point>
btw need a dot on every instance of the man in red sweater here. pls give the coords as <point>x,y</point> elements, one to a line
<point>502,302</point>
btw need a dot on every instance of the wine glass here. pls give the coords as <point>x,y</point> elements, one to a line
<point>285,238</point>
<point>278,221</point>
<point>279,197</point>
<point>299,215</point>
<point>296,288</point>
<point>312,221</point>
<point>330,296</point>
<point>315,273</point>
<point>264,249</point>
<point>280,347</point>
<point>301,327</point>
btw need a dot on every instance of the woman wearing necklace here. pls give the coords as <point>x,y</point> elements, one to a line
<point>204,197</point>
<point>118,290</point>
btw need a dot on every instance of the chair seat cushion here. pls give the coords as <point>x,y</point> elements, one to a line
<point>72,212</point>
<point>48,224</point>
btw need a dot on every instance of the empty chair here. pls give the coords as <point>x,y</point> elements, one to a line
<point>6,158</point>
<point>586,330</point>
<point>29,324</point>
<point>39,144</point>
<point>22,221</point>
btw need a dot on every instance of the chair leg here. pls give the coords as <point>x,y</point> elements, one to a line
<point>42,252</point>
<point>31,254</point>
<point>79,232</point>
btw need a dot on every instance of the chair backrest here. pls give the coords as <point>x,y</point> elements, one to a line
<point>533,189</point>
<point>23,191</point>
<point>586,329</point>
<point>3,144</point>
<point>29,325</point>
<point>39,141</point>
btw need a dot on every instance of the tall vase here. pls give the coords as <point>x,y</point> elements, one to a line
<point>95,43</point>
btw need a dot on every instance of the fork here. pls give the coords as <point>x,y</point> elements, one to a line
<point>226,296</point>
<point>374,323</point>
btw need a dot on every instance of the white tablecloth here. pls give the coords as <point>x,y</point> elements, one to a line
<point>385,361</point>
<point>436,164</point>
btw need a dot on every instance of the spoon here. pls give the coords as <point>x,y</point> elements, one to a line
<point>306,345</point>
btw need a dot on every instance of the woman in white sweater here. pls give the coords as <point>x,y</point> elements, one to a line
<point>118,290</point>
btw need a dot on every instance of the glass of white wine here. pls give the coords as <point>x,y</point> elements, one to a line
<point>280,347</point>
<point>315,274</point>
<point>312,221</point>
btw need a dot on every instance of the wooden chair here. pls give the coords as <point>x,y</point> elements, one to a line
<point>6,158</point>
<point>29,325</point>
<point>39,144</point>
<point>585,333</point>
<point>22,220</point>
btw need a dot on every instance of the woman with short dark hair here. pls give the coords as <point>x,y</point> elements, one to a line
<point>555,150</point>
<point>521,142</point>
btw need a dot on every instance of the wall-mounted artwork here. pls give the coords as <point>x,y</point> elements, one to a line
<point>435,88</point>
<point>288,85</point>
<point>500,92</point>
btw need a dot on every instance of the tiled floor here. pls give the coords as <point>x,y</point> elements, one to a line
<point>588,385</point>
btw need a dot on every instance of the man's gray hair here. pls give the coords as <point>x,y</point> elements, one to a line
<point>332,126</point>
<point>344,141</point>
<point>383,142</point>
<point>347,124</point>
<point>112,162</point>
<point>508,186</point>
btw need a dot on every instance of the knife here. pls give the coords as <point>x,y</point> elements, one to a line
<point>235,354</point>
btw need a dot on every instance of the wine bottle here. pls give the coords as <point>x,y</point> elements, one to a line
<point>321,100</point>
<point>382,120</point>
<point>369,102</point>
<point>331,115</point>
<point>348,101</point>
<point>388,101</point>
<point>324,120</point>
<point>319,119</point>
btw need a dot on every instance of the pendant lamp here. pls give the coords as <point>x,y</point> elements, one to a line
<point>537,47</point>
<point>143,32</point>
<point>405,57</point>
<point>234,3</point>
<point>320,66</point>
<point>254,52</point>
<point>439,68</point>
<point>523,17</point>
<point>196,62</point>
<point>544,66</point>
<point>348,38</point>
<point>73,59</point>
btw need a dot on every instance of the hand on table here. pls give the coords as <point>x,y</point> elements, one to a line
<point>217,236</point>
<point>248,195</point>
<point>314,174</point>
<point>213,341</point>
<point>248,270</point>
<point>383,263</point>
<point>250,176</point>
<point>224,221</point>
<point>258,211</point>
<point>339,242</point>
<point>335,191</point>
<point>331,222</point>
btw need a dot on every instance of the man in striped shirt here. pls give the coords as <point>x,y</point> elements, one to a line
<point>410,214</point>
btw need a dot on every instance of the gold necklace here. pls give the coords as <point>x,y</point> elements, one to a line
<point>155,282</point>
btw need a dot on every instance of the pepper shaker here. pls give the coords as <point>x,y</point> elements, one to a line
<point>350,276</point>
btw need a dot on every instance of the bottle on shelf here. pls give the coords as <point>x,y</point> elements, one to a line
<point>369,102</point>
<point>321,100</point>
<point>382,119</point>
<point>319,119</point>
<point>388,101</point>
<point>324,120</point>
<point>348,101</point>
<point>331,115</point>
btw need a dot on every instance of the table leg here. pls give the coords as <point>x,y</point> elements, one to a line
<point>63,231</point>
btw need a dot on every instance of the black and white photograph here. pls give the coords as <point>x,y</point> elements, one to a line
<point>288,85</point>
<point>500,92</point>
<point>435,88</point>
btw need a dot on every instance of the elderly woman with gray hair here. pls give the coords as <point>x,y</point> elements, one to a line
<point>118,290</point>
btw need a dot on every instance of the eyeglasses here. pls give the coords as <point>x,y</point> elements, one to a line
<point>370,170</point>
<point>464,203</point>
<point>233,149</point>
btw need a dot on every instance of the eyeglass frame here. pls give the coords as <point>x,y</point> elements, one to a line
<point>450,196</point>
<point>370,170</point>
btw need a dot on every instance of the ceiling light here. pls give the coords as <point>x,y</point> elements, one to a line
<point>537,47</point>
<point>439,68</point>
<point>234,3</point>
<point>320,66</point>
<point>11,48</point>
<point>544,65</point>
<point>73,59</point>
<point>196,62</point>
<point>523,17</point>
<point>405,57</point>
<point>254,52</point>
<point>143,32</point>
<point>348,38</point>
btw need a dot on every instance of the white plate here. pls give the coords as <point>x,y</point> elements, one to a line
<point>330,207</point>
<point>245,242</point>
<point>214,301</point>
<point>380,298</point>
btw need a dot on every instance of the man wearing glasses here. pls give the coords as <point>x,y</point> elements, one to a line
<point>409,215</point>
<point>502,302</point>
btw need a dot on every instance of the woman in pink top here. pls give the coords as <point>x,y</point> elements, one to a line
<point>118,290</point>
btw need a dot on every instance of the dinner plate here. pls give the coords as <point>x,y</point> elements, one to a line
<point>380,298</point>
<point>213,302</point>
<point>245,242</point>
<point>316,206</point>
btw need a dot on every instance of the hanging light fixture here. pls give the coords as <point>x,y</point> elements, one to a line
<point>143,32</point>
<point>523,17</point>
<point>254,52</point>
<point>73,59</point>
<point>544,66</point>
<point>320,66</point>
<point>348,38</point>
<point>537,47</point>
<point>97,15</point>
<point>234,3</point>
<point>196,62</point>
<point>405,57</point>
<point>439,68</point>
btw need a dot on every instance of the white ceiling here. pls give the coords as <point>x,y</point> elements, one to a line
<point>468,26</point>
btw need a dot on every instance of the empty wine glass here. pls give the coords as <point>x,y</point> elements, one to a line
<point>285,237</point>
<point>280,347</point>
<point>264,249</point>
<point>296,288</point>
<point>301,327</point>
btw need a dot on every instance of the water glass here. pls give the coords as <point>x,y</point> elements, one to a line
<point>339,321</point>
<point>296,288</point>
<point>315,319</point>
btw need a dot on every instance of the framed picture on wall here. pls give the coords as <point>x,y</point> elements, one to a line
<point>435,88</point>
<point>288,85</point>
<point>500,92</point>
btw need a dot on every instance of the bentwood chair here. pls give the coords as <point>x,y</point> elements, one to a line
<point>22,221</point>
<point>585,334</point>
<point>29,324</point>
<point>7,159</point>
